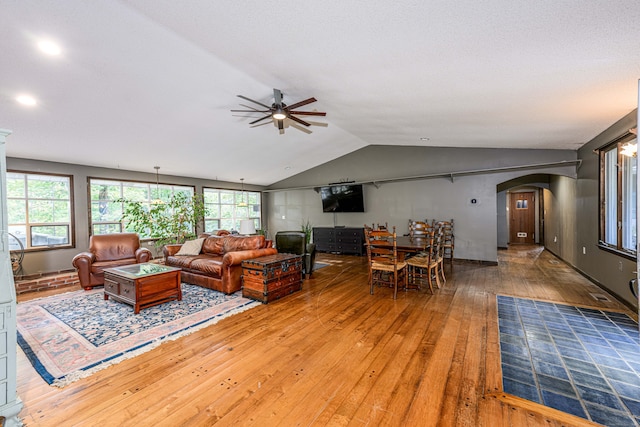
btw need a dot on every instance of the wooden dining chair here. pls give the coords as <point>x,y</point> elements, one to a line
<point>384,267</point>
<point>425,267</point>
<point>419,228</point>
<point>448,239</point>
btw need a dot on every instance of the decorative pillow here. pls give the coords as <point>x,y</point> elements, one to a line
<point>191,247</point>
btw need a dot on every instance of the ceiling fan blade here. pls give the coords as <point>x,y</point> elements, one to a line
<point>308,113</point>
<point>251,111</point>
<point>319,124</point>
<point>255,102</point>
<point>249,106</point>
<point>300,128</point>
<point>277,97</point>
<point>261,119</point>
<point>259,124</point>
<point>302,122</point>
<point>243,116</point>
<point>301,103</point>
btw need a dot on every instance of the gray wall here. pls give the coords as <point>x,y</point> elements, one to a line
<point>572,216</point>
<point>476,227</point>
<point>47,261</point>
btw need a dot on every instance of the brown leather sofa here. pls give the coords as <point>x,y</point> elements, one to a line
<point>105,251</point>
<point>218,266</point>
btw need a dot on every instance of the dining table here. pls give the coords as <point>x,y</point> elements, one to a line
<point>409,245</point>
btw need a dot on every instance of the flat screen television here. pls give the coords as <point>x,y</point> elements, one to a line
<point>342,198</point>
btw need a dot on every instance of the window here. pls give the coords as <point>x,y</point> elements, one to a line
<point>618,190</point>
<point>227,207</point>
<point>105,210</point>
<point>39,209</point>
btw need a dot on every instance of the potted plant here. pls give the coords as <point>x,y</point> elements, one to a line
<point>173,221</point>
<point>307,229</point>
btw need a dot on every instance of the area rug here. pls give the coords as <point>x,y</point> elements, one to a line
<point>578,360</point>
<point>70,336</point>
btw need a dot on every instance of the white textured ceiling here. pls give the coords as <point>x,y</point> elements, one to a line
<point>151,82</point>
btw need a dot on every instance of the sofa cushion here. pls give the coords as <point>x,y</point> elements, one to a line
<point>209,266</point>
<point>98,267</point>
<point>191,247</point>
<point>179,261</point>
<point>113,247</point>
<point>213,245</point>
<point>242,243</point>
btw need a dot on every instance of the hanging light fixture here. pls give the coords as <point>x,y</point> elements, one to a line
<point>157,200</point>
<point>243,203</point>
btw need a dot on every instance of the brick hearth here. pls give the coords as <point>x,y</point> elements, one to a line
<point>43,282</point>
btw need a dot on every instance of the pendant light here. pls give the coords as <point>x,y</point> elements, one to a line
<point>243,203</point>
<point>157,200</point>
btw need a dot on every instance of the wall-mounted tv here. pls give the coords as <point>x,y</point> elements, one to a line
<point>342,198</point>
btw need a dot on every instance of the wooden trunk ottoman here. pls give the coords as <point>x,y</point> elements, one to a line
<point>271,277</point>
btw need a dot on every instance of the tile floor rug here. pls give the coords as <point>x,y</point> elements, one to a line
<point>578,360</point>
<point>69,336</point>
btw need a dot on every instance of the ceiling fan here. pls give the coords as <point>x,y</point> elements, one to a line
<point>279,112</point>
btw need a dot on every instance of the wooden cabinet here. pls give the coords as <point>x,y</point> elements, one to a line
<point>271,277</point>
<point>344,240</point>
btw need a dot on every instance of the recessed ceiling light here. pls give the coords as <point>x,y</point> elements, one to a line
<point>26,100</point>
<point>424,138</point>
<point>49,47</point>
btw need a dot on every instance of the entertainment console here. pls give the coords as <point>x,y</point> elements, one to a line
<point>344,240</point>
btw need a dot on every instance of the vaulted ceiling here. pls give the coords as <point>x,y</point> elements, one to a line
<point>144,83</point>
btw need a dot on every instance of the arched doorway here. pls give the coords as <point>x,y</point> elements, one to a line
<point>520,207</point>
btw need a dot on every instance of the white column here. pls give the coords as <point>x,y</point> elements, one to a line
<point>10,403</point>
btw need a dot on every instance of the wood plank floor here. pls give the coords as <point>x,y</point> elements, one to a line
<point>331,355</point>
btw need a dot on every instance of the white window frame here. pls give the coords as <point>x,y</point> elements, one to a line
<point>226,208</point>
<point>27,230</point>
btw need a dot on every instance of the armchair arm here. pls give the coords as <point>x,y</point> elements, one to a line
<point>82,263</point>
<point>143,255</point>
<point>171,249</point>
<point>236,257</point>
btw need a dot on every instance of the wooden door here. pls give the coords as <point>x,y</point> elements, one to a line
<point>522,218</point>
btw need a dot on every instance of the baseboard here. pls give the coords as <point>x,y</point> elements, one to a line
<point>618,298</point>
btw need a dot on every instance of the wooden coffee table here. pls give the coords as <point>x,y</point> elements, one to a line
<point>142,285</point>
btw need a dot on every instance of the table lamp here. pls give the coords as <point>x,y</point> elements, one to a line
<point>247,227</point>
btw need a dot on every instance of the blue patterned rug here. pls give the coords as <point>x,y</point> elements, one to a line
<point>69,336</point>
<point>578,360</point>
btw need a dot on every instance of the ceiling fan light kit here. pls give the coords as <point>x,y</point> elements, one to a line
<point>279,111</point>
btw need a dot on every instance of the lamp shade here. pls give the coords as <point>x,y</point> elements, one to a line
<point>247,226</point>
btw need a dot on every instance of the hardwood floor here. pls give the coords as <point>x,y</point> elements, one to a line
<point>331,355</point>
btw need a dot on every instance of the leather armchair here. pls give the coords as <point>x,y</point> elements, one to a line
<point>105,251</point>
<point>293,242</point>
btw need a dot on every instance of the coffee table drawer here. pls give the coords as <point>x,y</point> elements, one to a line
<point>111,286</point>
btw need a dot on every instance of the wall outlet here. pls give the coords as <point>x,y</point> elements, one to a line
<point>620,265</point>
<point>555,239</point>
<point>584,250</point>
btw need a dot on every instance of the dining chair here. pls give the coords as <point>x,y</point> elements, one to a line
<point>419,228</point>
<point>384,267</point>
<point>448,240</point>
<point>425,267</point>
